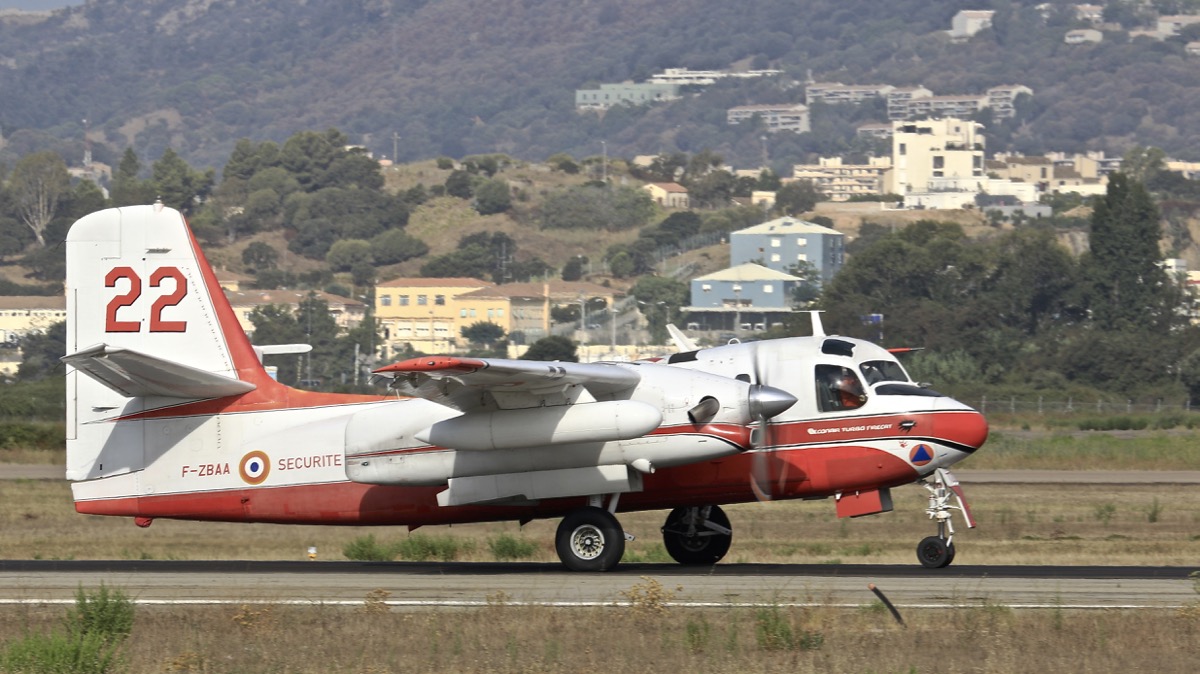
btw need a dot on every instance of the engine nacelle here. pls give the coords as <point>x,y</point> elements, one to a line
<point>509,429</point>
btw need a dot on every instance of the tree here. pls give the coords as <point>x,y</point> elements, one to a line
<point>800,196</point>
<point>659,297</point>
<point>40,353</point>
<point>127,188</point>
<point>493,196</point>
<point>573,269</point>
<point>259,256</point>
<point>178,185</point>
<point>345,254</point>
<point>396,245</point>
<point>1128,288</point>
<point>39,182</point>
<point>554,347</point>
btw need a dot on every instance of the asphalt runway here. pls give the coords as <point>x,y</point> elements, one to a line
<point>463,584</point>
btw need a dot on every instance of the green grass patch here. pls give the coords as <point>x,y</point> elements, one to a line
<point>1099,450</point>
<point>89,641</point>
<point>507,547</point>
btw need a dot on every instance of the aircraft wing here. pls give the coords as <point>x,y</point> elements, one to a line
<point>470,383</point>
<point>132,373</point>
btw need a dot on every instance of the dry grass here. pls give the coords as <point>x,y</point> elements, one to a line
<point>1048,524</point>
<point>503,638</point>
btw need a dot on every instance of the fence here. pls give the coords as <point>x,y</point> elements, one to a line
<point>1041,405</point>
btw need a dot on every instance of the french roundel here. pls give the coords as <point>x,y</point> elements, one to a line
<point>255,467</point>
<point>920,455</point>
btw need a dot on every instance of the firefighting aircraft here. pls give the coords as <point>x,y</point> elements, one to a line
<point>172,415</point>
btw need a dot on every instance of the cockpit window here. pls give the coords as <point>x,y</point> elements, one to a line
<point>876,371</point>
<point>838,388</point>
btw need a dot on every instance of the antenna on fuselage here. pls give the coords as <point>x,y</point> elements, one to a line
<point>817,328</point>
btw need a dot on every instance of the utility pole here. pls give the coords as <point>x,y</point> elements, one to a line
<point>395,148</point>
<point>604,160</point>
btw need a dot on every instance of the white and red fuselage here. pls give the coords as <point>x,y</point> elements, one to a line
<point>137,280</point>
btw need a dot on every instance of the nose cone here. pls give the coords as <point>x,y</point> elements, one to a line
<point>966,430</point>
<point>768,401</point>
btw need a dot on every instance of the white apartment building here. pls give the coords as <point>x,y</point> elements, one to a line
<point>970,21</point>
<point>933,149</point>
<point>785,117</point>
<point>836,92</point>
<point>841,181</point>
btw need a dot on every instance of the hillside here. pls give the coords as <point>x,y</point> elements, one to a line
<point>459,77</point>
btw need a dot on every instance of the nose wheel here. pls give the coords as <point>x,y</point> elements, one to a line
<point>937,552</point>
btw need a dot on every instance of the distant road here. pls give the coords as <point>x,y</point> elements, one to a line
<point>12,471</point>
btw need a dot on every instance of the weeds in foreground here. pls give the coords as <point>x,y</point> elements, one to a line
<point>89,641</point>
<point>649,598</point>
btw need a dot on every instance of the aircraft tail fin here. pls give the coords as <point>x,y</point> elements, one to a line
<point>147,326</point>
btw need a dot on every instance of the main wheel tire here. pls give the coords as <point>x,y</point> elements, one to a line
<point>590,539</point>
<point>933,553</point>
<point>704,546</point>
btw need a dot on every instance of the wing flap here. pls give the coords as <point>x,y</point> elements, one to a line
<point>132,374</point>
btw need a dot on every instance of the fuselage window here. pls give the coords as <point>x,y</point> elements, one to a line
<point>838,389</point>
<point>876,371</point>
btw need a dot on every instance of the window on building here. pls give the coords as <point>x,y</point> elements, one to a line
<point>462,313</point>
<point>422,300</point>
<point>385,300</point>
<point>774,257</point>
<point>803,257</point>
<point>439,300</point>
<point>903,149</point>
<point>768,288</point>
<point>775,243</point>
<point>706,287</point>
<point>939,162</point>
<point>472,313</point>
<point>404,300</point>
<point>801,241</point>
<point>500,313</point>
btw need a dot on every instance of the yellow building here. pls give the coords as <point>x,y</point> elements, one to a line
<point>421,312</point>
<point>429,314</point>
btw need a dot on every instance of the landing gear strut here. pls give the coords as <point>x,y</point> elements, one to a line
<point>697,535</point>
<point>937,552</point>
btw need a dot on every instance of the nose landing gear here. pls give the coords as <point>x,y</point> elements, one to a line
<point>936,552</point>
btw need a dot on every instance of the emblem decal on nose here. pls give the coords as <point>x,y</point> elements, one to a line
<point>920,455</point>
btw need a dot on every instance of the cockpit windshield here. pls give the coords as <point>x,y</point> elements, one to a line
<point>838,388</point>
<point>876,371</point>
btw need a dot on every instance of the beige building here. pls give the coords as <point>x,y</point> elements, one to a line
<point>668,195</point>
<point>835,92</point>
<point>22,315</point>
<point>841,181</point>
<point>429,314</point>
<point>786,117</point>
<point>933,149</point>
<point>346,312</point>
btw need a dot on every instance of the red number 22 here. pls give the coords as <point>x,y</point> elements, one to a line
<point>157,324</point>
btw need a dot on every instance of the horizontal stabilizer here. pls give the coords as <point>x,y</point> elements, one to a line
<point>134,374</point>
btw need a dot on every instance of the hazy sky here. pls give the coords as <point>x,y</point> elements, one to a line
<point>38,4</point>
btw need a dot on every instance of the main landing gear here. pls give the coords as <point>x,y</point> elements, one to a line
<point>937,552</point>
<point>591,538</point>
<point>696,536</point>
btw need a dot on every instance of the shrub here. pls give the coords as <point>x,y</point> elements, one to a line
<point>367,549</point>
<point>421,548</point>
<point>90,642</point>
<point>506,547</point>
